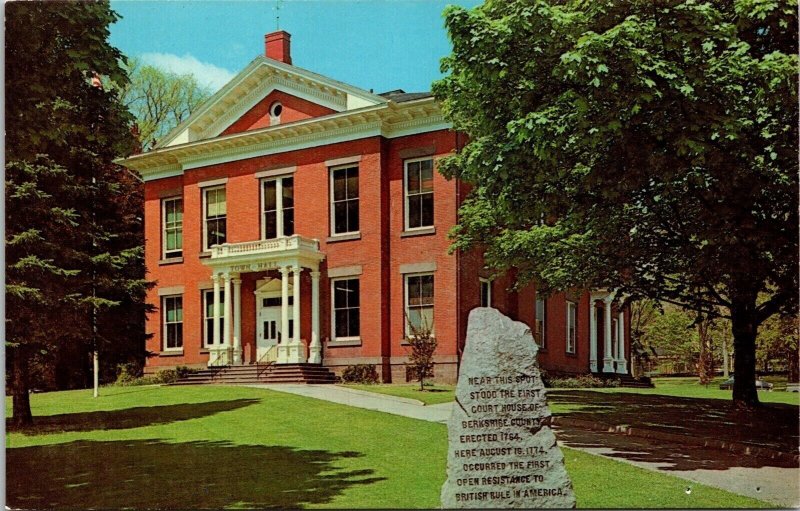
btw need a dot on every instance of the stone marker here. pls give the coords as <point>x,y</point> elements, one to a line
<point>502,452</point>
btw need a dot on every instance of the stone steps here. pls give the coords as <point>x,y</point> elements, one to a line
<point>276,373</point>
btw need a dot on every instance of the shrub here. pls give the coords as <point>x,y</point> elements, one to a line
<point>360,373</point>
<point>423,345</point>
<point>126,379</point>
<point>581,381</point>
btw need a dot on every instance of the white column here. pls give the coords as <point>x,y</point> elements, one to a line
<point>227,318</point>
<point>592,335</point>
<point>297,350</point>
<point>283,354</point>
<point>237,320</point>
<point>622,363</point>
<point>315,348</point>
<point>217,310</point>
<point>608,357</point>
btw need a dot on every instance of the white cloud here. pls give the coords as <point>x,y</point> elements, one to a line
<point>206,74</point>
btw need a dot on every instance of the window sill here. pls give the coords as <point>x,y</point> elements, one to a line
<point>204,351</point>
<point>348,236</point>
<point>170,260</point>
<point>422,231</point>
<point>571,355</point>
<point>344,343</point>
<point>171,353</point>
<point>205,255</point>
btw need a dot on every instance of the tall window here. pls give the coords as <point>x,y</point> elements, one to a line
<point>172,216</point>
<point>208,316</point>
<point>172,307</point>
<point>419,302</point>
<point>419,193</point>
<point>344,200</point>
<point>486,293</point>
<point>346,309</point>
<point>215,217</point>
<point>541,318</point>
<point>572,326</point>
<point>277,207</point>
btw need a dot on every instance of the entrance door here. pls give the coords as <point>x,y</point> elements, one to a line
<point>268,332</point>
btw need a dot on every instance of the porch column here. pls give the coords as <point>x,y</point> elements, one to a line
<point>227,318</point>
<point>315,348</point>
<point>297,350</point>
<point>608,357</point>
<point>237,320</point>
<point>216,311</point>
<point>622,363</point>
<point>592,335</point>
<point>283,353</point>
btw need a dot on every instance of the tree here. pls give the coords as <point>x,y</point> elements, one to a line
<point>159,100</point>
<point>423,346</point>
<point>643,313</point>
<point>647,146</point>
<point>778,340</point>
<point>75,273</point>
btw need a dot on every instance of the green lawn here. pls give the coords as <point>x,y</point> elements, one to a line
<point>217,446</point>
<point>432,395</point>
<point>689,387</point>
<point>678,387</point>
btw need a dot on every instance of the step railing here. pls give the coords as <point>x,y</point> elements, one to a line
<point>266,361</point>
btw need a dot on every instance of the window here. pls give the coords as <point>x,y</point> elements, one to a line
<point>419,303</point>
<point>208,316</point>
<point>214,216</point>
<point>277,206</point>
<point>486,293</point>
<point>172,334</point>
<point>541,318</point>
<point>344,200</point>
<point>172,217</point>
<point>572,326</point>
<point>346,311</point>
<point>419,193</point>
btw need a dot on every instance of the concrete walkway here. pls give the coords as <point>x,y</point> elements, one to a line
<point>744,475</point>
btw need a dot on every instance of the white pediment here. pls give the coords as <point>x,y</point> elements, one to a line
<point>260,78</point>
<point>271,287</point>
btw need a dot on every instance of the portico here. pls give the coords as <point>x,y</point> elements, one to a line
<point>290,256</point>
<point>613,359</point>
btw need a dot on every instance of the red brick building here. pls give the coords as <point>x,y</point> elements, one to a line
<point>311,213</point>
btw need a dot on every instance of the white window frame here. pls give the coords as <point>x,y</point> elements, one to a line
<point>204,205</point>
<point>406,196</point>
<point>488,284</point>
<point>167,254</point>
<point>406,329</point>
<point>572,341</point>
<point>165,324</point>
<point>204,299</point>
<point>352,338</point>
<point>331,202</point>
<point>279,227</point>
<point>543,321</point>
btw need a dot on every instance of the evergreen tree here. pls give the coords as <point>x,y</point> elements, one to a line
<point>75,274</point>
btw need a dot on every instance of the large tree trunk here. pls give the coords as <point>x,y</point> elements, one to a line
<point>705,365</point>
<point>745,326</point>
<point>20,389</point>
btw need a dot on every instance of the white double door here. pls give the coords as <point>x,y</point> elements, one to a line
<point>268,327</point>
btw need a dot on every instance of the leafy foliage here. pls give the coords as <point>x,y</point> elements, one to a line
<point>646,146</point>
<point>360,373</point>
<point>159,100</point>
<point>423,346</point>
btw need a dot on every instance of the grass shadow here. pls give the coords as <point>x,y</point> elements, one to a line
<point>774,426</point>
<point>129,417</point>
<point>154,474</point>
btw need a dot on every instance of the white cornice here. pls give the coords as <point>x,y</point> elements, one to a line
<point>389,120</point>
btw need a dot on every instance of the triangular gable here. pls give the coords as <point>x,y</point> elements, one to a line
<point>292,109</point>
<point>240,100</point>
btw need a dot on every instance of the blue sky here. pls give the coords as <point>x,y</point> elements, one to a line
<point>373,44</point>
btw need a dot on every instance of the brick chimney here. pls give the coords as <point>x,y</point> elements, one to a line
<point>276,46</point>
